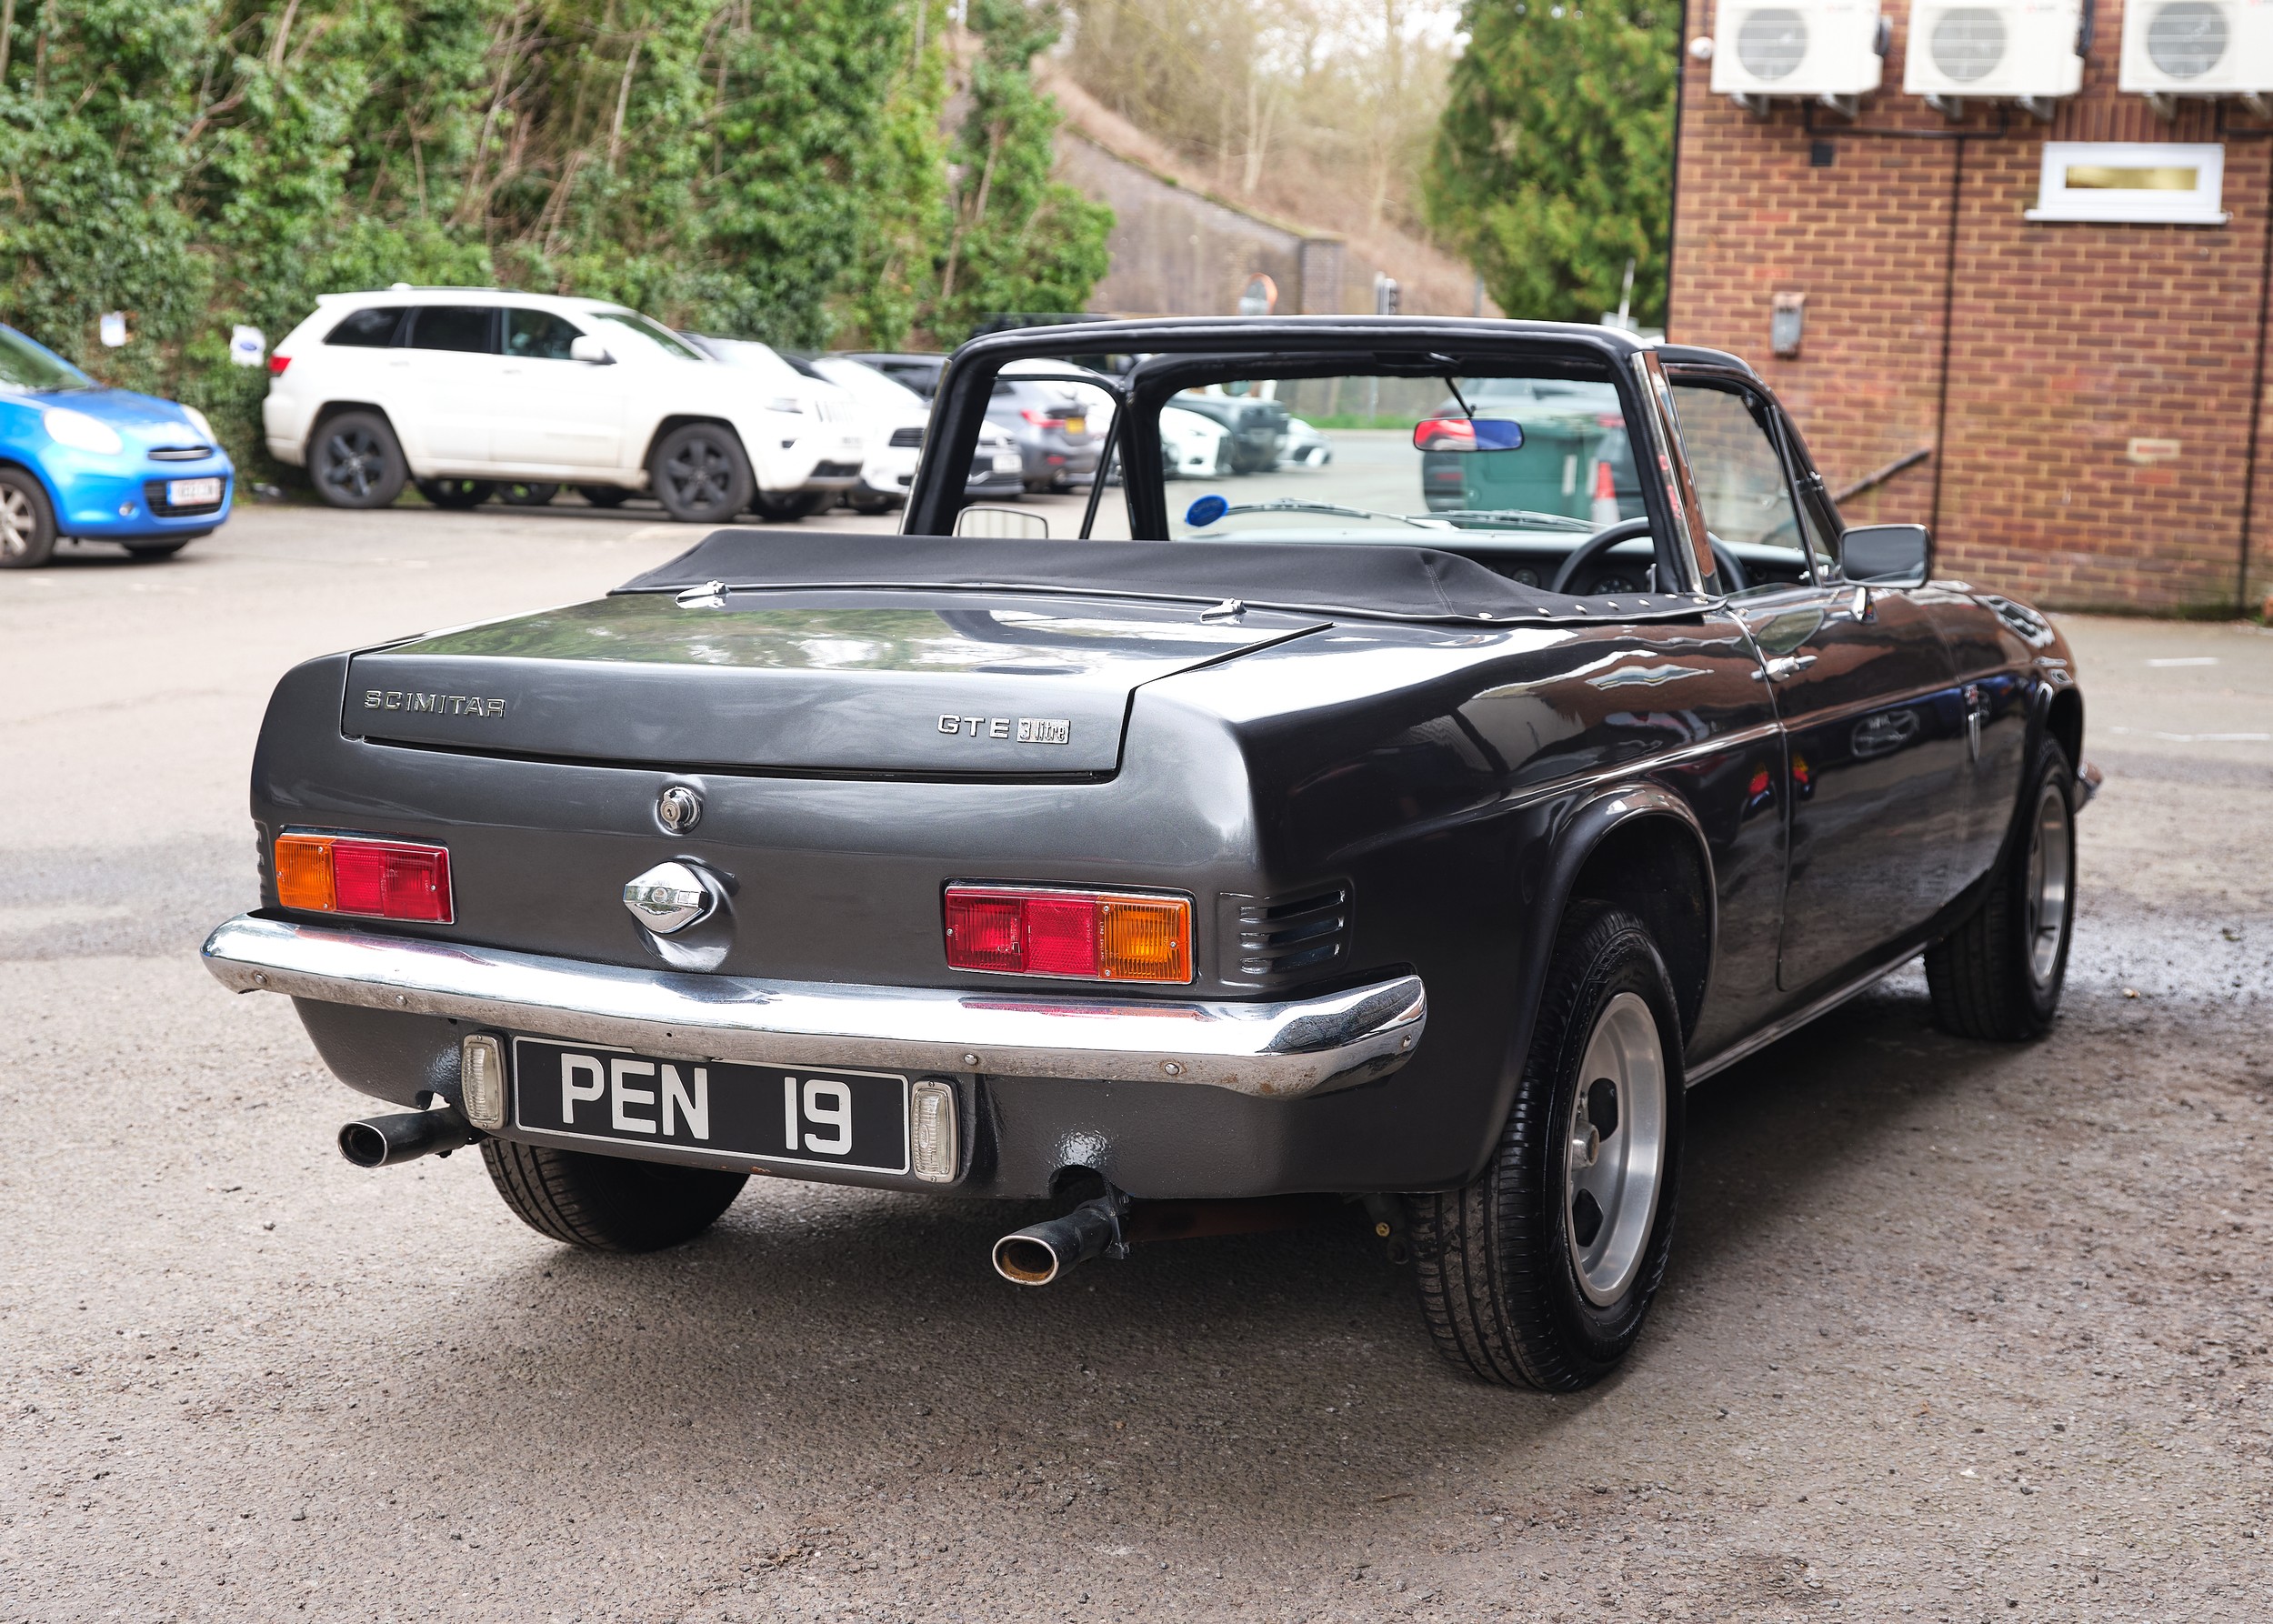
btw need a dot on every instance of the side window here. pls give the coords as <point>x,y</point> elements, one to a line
<point>367,329</point>
<point>1741,483</point>
<point>464,328</point>
<point>538,335</point>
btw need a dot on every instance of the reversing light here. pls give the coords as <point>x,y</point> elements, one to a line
<point>481,1079</point>
<point>931,1135</point>
<point>1095,935</point>
<point>379,879</point>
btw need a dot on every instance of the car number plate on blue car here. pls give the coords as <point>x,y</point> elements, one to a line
<point>192,492</point>
<point>819,1117</point>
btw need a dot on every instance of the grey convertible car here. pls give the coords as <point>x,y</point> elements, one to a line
<point>1273,852</point>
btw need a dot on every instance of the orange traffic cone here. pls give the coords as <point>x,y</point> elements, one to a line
<point>1606,497</point>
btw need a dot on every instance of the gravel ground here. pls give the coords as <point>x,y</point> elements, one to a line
<point>1953,1330</point>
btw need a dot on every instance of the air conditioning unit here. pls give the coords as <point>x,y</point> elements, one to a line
<point>1802,48</point>
<point>2198,47</point>
<point>1997,50</point>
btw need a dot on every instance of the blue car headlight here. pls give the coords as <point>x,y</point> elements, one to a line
<point>81,432</point>
<point>198,421</point>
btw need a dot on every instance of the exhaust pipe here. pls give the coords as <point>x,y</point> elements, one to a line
<point>1108,1226</point>
<point>382,1141</point>
<point>1039,1253</point>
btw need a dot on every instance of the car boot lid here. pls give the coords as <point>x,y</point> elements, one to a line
<point>929,684</point>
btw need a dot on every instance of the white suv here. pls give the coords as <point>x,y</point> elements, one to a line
<point>463,389</point>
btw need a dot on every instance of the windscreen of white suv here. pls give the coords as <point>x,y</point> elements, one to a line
<point>653,333</point>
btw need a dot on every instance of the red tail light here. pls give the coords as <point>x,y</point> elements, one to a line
<point>277,364</point>
<point>1042,419</point>
<point>378,879</point>
<point>1093,936</point>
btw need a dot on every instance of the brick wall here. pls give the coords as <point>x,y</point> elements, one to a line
<point>2066,342</point>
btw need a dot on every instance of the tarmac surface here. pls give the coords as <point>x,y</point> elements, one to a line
<point>1952,1330</point>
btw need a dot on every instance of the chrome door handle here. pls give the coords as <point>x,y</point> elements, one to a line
<point>1784,667</point>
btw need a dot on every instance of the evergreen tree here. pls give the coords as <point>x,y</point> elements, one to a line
<point>1553,165</point>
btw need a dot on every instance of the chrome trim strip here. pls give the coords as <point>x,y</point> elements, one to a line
<point>1694,1075</point>
<point>1273,1051</point>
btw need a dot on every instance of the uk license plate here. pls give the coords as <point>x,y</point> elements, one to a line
<point>809,1115</point>
<point>192,492</point>
<point>1077,426</point>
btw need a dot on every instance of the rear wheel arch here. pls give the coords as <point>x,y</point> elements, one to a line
<point>333,408</point>
<point>2064,720</point>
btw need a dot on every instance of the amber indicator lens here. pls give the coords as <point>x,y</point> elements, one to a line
<point>378,879</point>
<point>1093,936</point>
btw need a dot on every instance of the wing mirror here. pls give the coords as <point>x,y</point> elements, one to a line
<point>1467,433</point>
<point>1887,555</point>
<point>583,347</point>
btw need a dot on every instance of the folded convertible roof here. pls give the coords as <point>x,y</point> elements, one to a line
<point>1388,583</point>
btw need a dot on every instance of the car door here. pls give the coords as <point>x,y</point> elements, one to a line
<point>555,412</point>
<point>1875,733</point>
<point>446,379</point>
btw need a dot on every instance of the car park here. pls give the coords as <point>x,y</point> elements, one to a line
<point>80,462</point>
<point>1288,857</point>
<point>467,389</point>
<point>900,414</point>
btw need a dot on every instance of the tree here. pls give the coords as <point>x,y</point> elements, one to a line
<point>1553,163</point>
<point>772,170</point>
<point>1020,241</point>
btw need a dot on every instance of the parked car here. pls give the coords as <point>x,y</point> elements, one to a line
<point>1256,423</point>
<point>1306,447</point>
<point>799,389</point>
<point>1193,447</point>
<point>996,469</point>
<point>1055,422</point>
<point>919,373</point>
<point>1288,860</point>
<point>82,462</point>
<point>462,388</point>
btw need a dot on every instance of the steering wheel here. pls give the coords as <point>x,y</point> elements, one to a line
<point>1589,551</point>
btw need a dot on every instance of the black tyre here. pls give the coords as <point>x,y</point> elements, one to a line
<point>1543,1271</point>
<point>788,506</point>
<point>522,493</point>
<point>604,495</point>
<point>700,475</point>
<point>872,505</point>
<point>2000,974</point>
<point>355,461</point>
<point>607,1203</point>
<point>28,521</point>
<point>150,552</point>
<point>457,493</point>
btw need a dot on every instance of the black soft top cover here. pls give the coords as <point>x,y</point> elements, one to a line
<point>1398,583</point>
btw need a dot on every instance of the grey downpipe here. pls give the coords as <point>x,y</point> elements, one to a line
<point>382,1141</point>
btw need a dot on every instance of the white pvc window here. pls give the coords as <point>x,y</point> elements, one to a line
<point>2142,182</point>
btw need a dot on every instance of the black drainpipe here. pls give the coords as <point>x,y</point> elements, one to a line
<point>2256,408</point>
<point>1948,316</point>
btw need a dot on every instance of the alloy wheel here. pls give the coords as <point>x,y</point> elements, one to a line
<point>1614,1149</point>
<point>353,462</point>
<point>701,475</point>
<point>2050,846</point>
<point>18,525</point>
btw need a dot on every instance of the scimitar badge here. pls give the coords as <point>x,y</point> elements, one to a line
<point>668,897</point>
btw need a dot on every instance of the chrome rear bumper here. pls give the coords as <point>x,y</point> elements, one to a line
<point>1271,1050</point>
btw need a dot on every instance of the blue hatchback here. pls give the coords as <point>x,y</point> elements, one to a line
<point>81,460</point>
